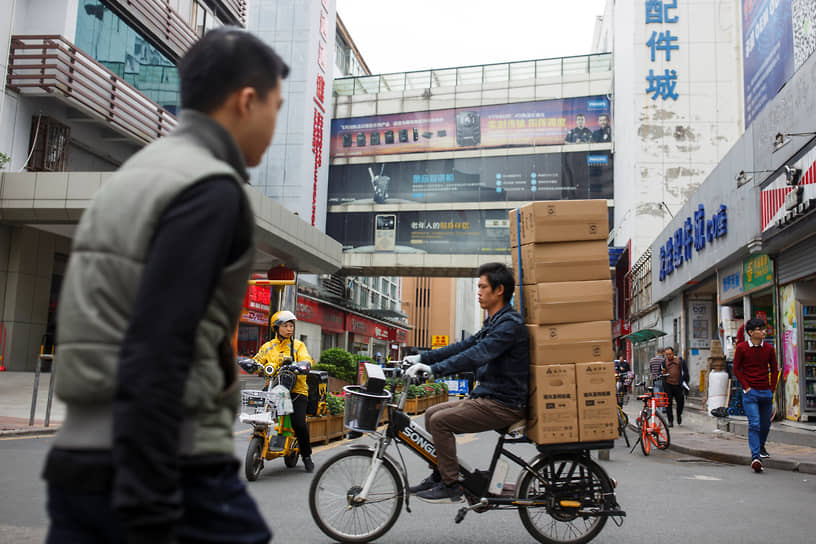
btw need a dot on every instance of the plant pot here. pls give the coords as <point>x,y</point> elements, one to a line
<point>411,406</point>
<point>317,429</point>
<point>334,426</point>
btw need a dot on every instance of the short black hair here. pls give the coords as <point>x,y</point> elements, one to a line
<point>753,324</point>
<point>498,274</point>
<point>603,115</point>
<point>224,60</point>
<point>668,347</point>
<point>580,115</point>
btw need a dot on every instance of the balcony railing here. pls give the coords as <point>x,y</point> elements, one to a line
<point>42,65</point>
<point>161,19</point>
<point>238,8</point>
<point>475,75</point>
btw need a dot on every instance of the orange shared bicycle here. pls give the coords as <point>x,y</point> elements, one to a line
<point>652,428</point>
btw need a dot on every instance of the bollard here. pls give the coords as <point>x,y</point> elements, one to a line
<point>34,393</point>
<point>50,389</point>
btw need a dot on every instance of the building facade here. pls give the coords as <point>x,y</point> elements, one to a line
<point>88,83</point>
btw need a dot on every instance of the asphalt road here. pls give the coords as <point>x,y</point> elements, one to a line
<point>667,496</point>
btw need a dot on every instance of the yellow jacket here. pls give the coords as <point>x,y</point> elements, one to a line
<point>273,352</point>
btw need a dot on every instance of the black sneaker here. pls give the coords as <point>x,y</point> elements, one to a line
<point>442,493</point>
<point>756,464</point>
<point>308,465</point>
<point>763,453</point>
<point>425,484</point>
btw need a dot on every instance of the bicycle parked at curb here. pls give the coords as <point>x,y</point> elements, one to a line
<point>652,428</point>
<point>356,496</point>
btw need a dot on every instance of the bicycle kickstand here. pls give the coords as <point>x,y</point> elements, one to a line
<point>460,515</point>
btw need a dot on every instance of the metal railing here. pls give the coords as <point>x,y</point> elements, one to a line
<point>40,65</point>
<point>238,8</point>
<point>162,19</point>
<point>475,75</point>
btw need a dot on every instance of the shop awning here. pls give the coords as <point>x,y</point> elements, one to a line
<point>645,335</point>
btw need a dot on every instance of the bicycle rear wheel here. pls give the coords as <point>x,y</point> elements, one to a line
<point>659,432</point>
<point>333,489</point>
<point>576,489</point>
<point>623,422</point>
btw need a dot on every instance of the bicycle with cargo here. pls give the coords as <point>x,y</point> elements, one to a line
<point>561,494</point>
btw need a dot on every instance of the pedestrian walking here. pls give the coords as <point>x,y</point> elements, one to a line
<point>675,384</point>
<point>755,368</point>
<point>150,300</point>
<point>657,365</point>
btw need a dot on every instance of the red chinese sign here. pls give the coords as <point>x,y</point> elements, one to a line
<point>399,335</point>
<point>330,319</point>
<point>381,332</point>
<point>320,106</point>
<point>256,318</point>
<point>257,298</point>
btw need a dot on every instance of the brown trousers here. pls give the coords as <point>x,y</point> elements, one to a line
<point>465,416</point>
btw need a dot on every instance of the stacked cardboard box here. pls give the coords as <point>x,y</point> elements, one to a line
<point>561,266</point>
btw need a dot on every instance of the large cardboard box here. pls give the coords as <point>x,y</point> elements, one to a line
<point>570,343</point>
<point>566,302</point>
<point>559,221</point>
<point>564,261</point>
<point>553,410</point>
<point>597,411</point>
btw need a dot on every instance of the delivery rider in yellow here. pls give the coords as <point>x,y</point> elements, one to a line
<point>272,353</point>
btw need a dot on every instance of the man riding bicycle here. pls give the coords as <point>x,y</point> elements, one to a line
<point>499,354</point>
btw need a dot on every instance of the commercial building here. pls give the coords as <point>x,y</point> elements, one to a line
<point>743,245</point>
<point>89,83</point>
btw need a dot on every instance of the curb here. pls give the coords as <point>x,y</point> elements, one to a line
<point>28,431</point>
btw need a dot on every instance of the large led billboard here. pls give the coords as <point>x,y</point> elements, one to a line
<point>545,176</point>
<point>524,124</point>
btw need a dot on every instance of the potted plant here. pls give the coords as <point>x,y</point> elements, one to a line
<point>412,400</point>
<point>334,423</point>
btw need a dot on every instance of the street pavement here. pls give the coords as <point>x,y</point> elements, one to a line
<point>792,446</point>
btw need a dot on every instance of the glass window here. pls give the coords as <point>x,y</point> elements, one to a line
<point>110,41</point>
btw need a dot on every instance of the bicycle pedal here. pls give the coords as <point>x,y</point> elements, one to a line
<point>570,504</point>
<point>460,515</point>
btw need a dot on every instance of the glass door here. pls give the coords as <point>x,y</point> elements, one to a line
<point>809,359</point>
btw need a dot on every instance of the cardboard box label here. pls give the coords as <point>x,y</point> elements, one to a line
<point>597,410</point>
<point>553,410</point>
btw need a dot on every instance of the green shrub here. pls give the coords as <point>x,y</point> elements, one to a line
<point>336,404</point>
<point>3,160</point>
<point>338,363</point>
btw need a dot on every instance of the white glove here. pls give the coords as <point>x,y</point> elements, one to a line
<point>412,359</point>
<point>416,369</point>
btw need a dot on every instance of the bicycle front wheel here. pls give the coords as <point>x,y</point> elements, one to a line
<point>643,430</point>
<point>339,481</point>
<point>659,432</point>
<point>576,490</point>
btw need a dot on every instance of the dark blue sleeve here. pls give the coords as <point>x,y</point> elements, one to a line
<point>197,235</point>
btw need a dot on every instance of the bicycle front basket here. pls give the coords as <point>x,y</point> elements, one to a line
<point>254,407</point>
<point>661,400</point>
<point>363,409</point>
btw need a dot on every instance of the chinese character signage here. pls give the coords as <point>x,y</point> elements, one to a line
<point>757,271</point>
<point>677,248</point>
<point>767,51</point>
<point>439,341</point>
<point>730,279</point>
<point>545,122</point>
<point>319,105</point>
<point>661,43</point>
<point>545,176</point>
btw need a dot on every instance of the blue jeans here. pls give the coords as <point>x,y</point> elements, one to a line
<point>758,405</point>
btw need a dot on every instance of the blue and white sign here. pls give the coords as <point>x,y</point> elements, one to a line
<point>661,43</point>
<point>456,387</point>
<point>767,50</point>
<point>692,234</point>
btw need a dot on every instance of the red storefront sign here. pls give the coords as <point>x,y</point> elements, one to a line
<point>359,325</point>
<point>381,332</point>
<point>399,335</point>
<point>257,298</point>
<point>330,319</point>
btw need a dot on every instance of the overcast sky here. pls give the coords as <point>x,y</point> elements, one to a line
<point>400,36</point>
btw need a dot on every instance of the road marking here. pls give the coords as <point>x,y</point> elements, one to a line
<point>23,437</point>
<point>703,478</point>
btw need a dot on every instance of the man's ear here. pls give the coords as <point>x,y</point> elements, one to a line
<point>243,101</point>
<point>499,290</point>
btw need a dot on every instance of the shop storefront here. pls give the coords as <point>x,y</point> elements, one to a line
<point>331,320</point>
<point>788,227</point>
<point>253,327</point>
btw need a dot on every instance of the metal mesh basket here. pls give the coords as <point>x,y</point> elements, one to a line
<point>255,407</point>
<point>363,410</point>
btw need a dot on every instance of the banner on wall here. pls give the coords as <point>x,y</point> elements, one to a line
<point>790,353</point>
<point>551,176</point>
<point>767,49</point>
<point>443,232</point>
<point>544,122</point>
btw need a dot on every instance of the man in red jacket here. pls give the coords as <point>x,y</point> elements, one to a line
<point>755,368</point>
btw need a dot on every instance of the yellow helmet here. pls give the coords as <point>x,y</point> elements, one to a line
<point>281,317</point>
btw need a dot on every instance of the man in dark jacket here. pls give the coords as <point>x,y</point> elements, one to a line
<point>675,384</point>
<point>151,297</point>
<point>500,355</point>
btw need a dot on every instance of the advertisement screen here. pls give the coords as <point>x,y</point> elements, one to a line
<point>767,48</point>
<point>445,232</point>
<point>545,122</point>
<point>546,176</point>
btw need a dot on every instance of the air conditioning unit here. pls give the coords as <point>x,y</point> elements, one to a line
<point>48,145</point>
